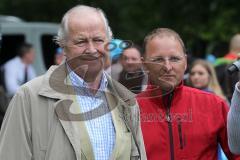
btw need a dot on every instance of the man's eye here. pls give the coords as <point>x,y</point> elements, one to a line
<point>175,59</point>
<point>98,40</point>
<point>158,59</point>
<point>79,43</point>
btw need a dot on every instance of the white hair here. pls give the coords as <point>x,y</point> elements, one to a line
<point>63,29</point>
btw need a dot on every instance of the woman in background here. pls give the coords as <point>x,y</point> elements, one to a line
<point>203,76</point>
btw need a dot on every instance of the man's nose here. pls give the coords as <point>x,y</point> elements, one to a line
<point>129,61</point>
<point>167,65</point>
<point>91,48</point>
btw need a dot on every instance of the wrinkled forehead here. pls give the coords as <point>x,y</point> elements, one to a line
<point>164,46</point>
<point>86,21</point>
<point>131,52</point>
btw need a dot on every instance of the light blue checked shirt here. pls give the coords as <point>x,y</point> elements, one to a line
<point>101,129</point>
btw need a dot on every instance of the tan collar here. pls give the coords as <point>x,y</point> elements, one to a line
<point>56,86</point>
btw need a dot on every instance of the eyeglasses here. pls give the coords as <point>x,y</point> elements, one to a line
<point>162,60</point>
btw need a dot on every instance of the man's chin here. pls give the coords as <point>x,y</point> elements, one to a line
<point>92,75</point>
<point>90,79</point>
<point>166,86</point>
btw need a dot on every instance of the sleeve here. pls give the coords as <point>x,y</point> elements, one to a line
<point>222,134</point>
<point>139,136</point>
<point>10,78</point>
<point>15,135</point>
<point>233,123</point>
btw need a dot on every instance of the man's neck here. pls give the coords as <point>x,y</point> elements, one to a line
<point>94,84</point>
<point>133,73</point>
<point>24,61</point>
<point>93,80</point>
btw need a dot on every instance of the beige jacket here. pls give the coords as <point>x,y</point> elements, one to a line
<point>43,122</point>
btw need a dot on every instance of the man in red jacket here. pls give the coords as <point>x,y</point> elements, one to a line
<point>178,122</point>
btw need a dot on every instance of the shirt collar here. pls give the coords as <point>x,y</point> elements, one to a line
<point>79,82</point>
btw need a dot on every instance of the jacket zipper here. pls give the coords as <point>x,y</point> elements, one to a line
<point>180,133</point>
<point>169,103</point>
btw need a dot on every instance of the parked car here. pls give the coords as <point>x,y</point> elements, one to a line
<point>14,31</point>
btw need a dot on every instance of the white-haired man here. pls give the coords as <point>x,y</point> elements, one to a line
<point>74,111</point>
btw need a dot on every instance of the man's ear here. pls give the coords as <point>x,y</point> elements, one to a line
<point>65,50</point>
<point>120,59</point>
<point>186,67</point>
<point>186,62</point>
<point>144,64</point>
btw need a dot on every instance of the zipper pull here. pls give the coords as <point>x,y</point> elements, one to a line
<point>168,117</point>
<point>169,103</point>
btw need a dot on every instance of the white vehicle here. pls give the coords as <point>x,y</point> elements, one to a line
<point>40,34</point>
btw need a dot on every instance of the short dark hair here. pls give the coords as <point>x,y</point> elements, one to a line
<point>137,47</point>
<point>163,32</point>
<point>23,49</point>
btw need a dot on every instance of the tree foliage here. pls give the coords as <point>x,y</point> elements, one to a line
<point>201,23</point>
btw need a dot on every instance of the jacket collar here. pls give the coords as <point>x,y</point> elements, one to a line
<point>57,86</point>
<point>155,94</point>
<point>154,91</point>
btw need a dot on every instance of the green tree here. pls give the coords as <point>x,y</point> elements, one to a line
<point>201,23</point>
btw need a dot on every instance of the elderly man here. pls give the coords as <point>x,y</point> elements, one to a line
<point>178,122</point>
<point>74,111</point>
<point>233,121</point>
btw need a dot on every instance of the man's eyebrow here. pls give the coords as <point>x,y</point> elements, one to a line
<point>98,36</point>
<point>80,37</point>
<point>84,37</point>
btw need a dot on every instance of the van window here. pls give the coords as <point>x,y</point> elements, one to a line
<point>9,46</point>
<point>49,49</point>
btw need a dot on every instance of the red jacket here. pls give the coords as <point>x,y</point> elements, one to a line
<point>185,125</point>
